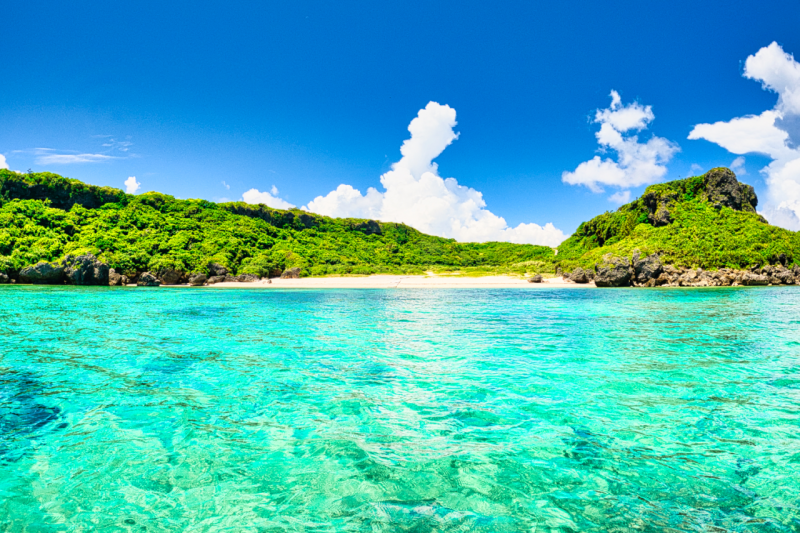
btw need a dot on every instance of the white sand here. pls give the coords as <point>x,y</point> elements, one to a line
<point>403,282</point>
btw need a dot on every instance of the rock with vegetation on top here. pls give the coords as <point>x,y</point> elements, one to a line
<point>535,279</point>
<point>614,272</point>
<point>580,275</point>
<point>646,269</point>
<point>217,270</point>
<point>723,189</point>
<point>147,279</point>
<point>197,280</point>
<point>42,273</point>
<point>291,273</point>
<point>85,270</point>
<point>170,276</point>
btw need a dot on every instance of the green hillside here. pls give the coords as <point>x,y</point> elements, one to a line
<point>44,217</point>
<point>707,221</point>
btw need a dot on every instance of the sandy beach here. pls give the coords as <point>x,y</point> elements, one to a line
<point>404,282</point>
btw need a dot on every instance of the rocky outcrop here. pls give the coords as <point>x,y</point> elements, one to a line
<point>646,269</point>
<point>197,280</point>
<point>580,275</point>
<point>169,276</point>
<point>215,269</point>
<point>148,279</point>
<point>215,279</point>
<point>723,189</point>
<point>246,278</point>
<point>43,273</point>
<point>369,227</point>
<point>4,278</point>
<point>658,206</point>
<point>535,279</point>
<point>85,270</point>
<point>117,280</point>
<point>614,272</point>
<point>291,273</point>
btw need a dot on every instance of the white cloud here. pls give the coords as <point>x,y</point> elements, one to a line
<point>737,165</point>
<point>416,195</point>
<point>131,185</point>
<point>274,191</point>
<point>771,133</point>
<point>226,185</point>
<point>637,163</point>
<point>254,196</point>
<point>3,163</point>
<point>620,197</point>
<point>47,157</point>
<point>695,169</point>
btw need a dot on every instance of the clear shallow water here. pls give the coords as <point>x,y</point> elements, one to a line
<point>408,410</point>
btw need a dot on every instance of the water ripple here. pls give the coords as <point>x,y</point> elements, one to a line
<point>407,410</point>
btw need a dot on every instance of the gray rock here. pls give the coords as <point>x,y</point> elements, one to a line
<point>784,277</point>
<point>217,270</point>
<point>197,280</point>
<point>230,279</point>
<point>3,278</point>
<point>751,279</point>
<point>658,208</point>
<point>169,276</point>
<point>648,268</point>
<point>42,274</point>
<point>614,272</point>
<point>147,279</point>
<point>246,278</point>
<point>580,275</point>
<point>117,280</point>
<point>85,270</point>
<point>215,279</point>
<point>291,273</point>
<point>723,189</point>
<point>535,279</point>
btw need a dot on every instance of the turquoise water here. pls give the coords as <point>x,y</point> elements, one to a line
<point>399,410</point>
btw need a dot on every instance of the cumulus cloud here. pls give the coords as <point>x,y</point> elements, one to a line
<point>637,163</point>
<point>270,199</point>
<point>775,133</point>
<point>131,185</point>
<point>620,197</point>
<point>737,165</point>
<point>416,195</point>
<point>3,163</point>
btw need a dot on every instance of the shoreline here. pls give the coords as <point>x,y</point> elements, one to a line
<point>400,282</point>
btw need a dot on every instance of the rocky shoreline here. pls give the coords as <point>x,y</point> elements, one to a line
<point>650,272</point>
<point>88,270</point>
<point>638,271</point>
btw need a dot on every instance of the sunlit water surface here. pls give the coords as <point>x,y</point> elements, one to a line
<point>399,410</point>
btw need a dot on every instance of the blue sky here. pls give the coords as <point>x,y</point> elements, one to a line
<point>306,96</point>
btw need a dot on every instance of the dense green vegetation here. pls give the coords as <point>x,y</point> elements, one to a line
<point>698,233</point>
<point>44,217</point>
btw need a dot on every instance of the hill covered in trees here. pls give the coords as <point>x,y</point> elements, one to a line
<point>707,221</point>
<point>45,217</point>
